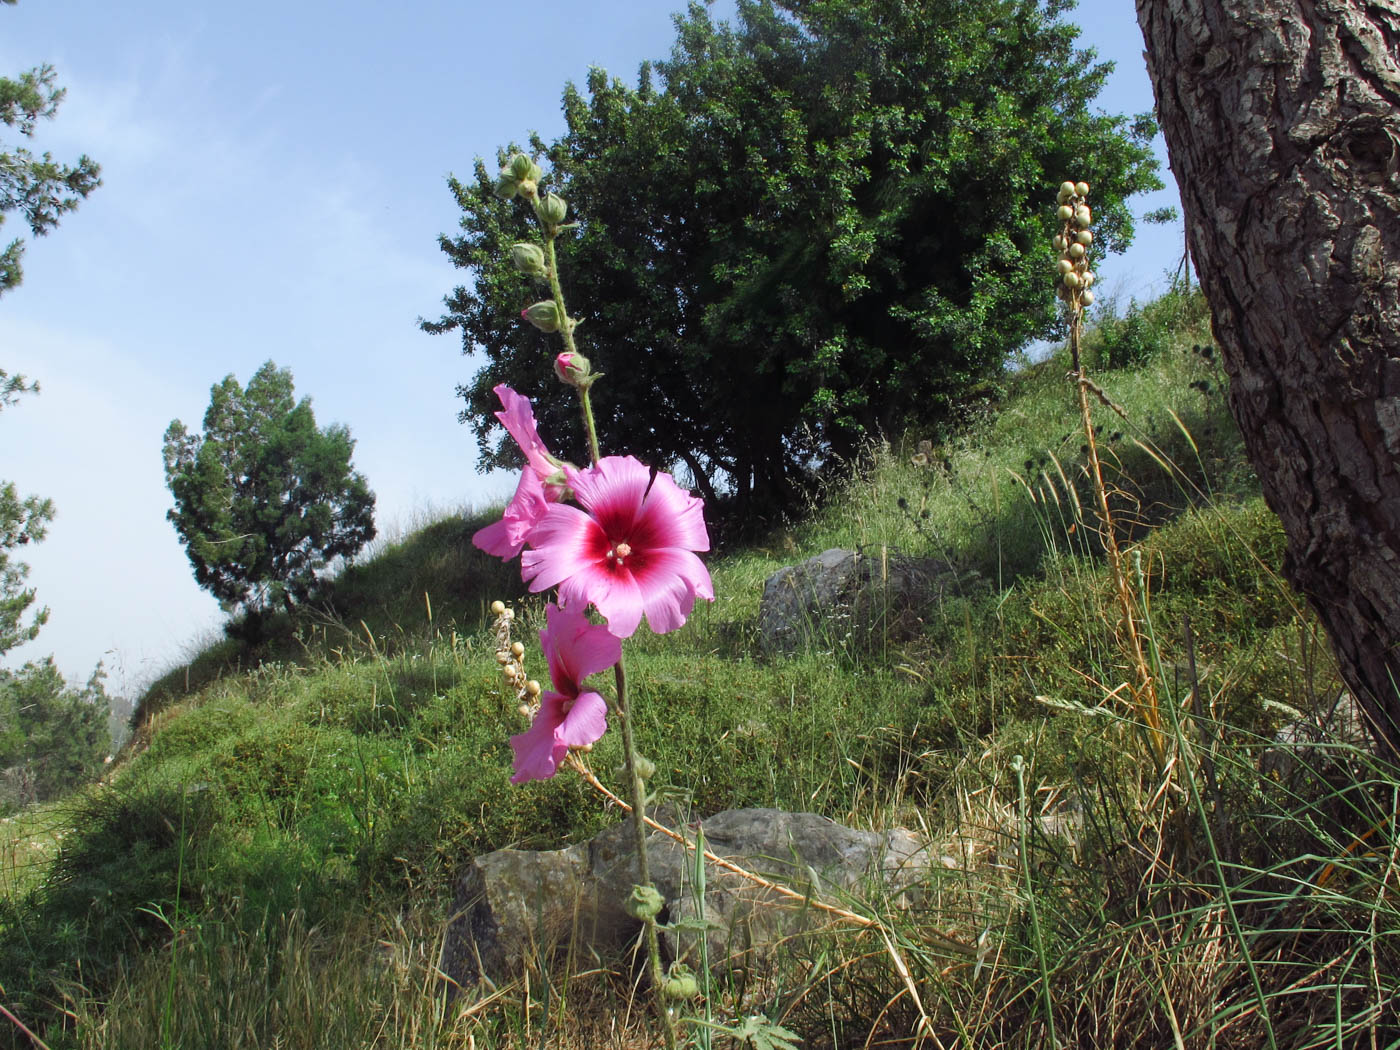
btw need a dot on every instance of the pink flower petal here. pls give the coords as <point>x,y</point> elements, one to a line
<point>585,723</point>
<point>506,538</point>
<point>576,648</point>
<point>519,420</point>
<point>563,540</point>
<point>538,752</point>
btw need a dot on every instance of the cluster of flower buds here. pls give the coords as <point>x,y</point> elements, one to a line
<point>520,175</point>
<point>510,656</point>
<point>1072,242</point>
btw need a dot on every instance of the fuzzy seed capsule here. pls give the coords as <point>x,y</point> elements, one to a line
<point>1089,278</point>
<point>1085,237</point>
<point>1065,266</point>
<point>1065,213</point>
<point>1072,280</point>
<point>497,608</point>
<point>1083,216</point>
<point>517,649</point>
<point>1066,191</point>
<point>1087,298</point>
<point>1059,243</point>
<point>532,688</point>
<point>1081,189</point>
<point>1076,251</point>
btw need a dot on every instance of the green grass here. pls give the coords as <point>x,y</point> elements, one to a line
<point>273,861</point>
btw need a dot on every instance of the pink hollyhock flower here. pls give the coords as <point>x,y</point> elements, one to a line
<point>506,538</point>
<point>631,552</point>
<point>569,716</point>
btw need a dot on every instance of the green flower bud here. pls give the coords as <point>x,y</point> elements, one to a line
<point>1085,237</point>
<point>526,189</point>
<point>645,767</point>
<point>528,258</point>
<point>551,209</point>
<point>544,315</point>
<point>522,167</point>
<point>1066,191</point>
<point>1065,213</point>
<point>681,986</point>
<point>1081,189</point>
<point>1076,251</point>
<point>506,186</point>
<point>644,902</point>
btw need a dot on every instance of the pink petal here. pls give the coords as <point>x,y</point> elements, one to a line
<point>519,421</point>
<point>538,752</point>
<point>576,648</point>
<point>614,594</point>
<point>668,582</point>
<point>672,517</point>
<point>585,723</point>
<point>507,537</point>
<point>565,541</point>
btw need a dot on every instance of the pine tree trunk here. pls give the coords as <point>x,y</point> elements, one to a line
<point>1282,120</point>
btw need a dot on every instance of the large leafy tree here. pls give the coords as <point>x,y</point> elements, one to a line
<point>264,499</point>
<point>825,221</point>
<point>41,190</point>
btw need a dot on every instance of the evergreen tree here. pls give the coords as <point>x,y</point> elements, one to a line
<point>52,737</point>
<point>264,499</point>
<point>41,190</point>
<point>826,223</point>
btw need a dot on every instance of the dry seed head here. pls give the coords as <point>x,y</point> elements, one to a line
<point>498,607</point>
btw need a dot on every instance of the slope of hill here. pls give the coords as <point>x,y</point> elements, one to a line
<point>272,862</point>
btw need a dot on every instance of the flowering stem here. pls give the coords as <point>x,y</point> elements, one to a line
<point>639,829</point>
<point>566,332</point>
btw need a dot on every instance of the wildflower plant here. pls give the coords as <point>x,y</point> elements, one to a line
<point>618,536</point>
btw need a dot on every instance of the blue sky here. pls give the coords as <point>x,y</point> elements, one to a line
<point>273,187</point>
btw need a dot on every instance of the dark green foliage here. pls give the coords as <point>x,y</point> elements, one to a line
<point>52,737</point>
<point>22,521</point>
<point>264,499</point>
<point>832,219</point>
<point>39,188</point>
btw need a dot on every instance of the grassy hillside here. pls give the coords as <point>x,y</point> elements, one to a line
<point>272,862</point>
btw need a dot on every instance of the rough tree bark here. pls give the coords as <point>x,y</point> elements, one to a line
<point>1282,120</point>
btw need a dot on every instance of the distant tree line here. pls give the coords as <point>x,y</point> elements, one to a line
<point>800,231</point>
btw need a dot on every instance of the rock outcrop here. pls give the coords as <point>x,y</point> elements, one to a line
<point>515,905</point>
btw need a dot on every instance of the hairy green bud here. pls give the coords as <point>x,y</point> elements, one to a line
<point>644,902</point>
<point>551,209</point>
<point>528,258</point>
<point>506,186</point>
<point>544,315</point>
<point>522,168</point>
<point>680,986</point>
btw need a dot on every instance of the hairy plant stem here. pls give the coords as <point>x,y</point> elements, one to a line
<point>620,707</point>
<point>566,332</point>
<point>639,830</point>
